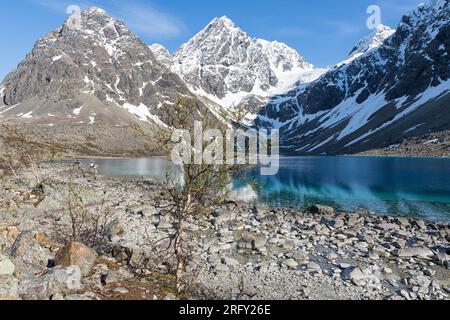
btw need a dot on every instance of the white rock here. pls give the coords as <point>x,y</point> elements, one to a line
<point>419,252</point>
<point>6,266</point>
<point>388,271</point>
<point>58,280</point>
<point>291,263</point>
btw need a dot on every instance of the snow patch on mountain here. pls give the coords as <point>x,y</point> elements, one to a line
<point>77,111</point>
<point>56,58</point>
<point>27,115</point>
<point>141,111</point>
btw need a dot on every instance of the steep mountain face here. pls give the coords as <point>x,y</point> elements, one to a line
<point>99,74</point>
<point>226,65</point>
<point>162,55</point>
<point>395,91</point>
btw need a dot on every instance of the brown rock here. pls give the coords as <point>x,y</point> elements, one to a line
<point>77,254</point>
<point>44,242</point>
<point>122,254</point>
<point>41,238</point>
<point>318,209</point>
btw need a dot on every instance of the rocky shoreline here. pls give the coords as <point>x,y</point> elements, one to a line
<point>432,145</point>
<point>240,251</point>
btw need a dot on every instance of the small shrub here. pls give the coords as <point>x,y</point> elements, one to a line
<point>81,224</point>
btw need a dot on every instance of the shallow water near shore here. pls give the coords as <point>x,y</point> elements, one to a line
<point>414,187</point>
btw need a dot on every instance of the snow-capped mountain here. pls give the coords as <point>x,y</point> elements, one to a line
<point>397,90</point>
<point>372,41</point>
<point>98,74</point>
<point>226,65</point>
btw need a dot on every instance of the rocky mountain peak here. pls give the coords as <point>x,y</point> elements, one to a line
<point>93,24</point>
<point>161,54</point>
<point>439,4</point>
<point>426,11</point>
<point>374,40</point>
<point>92,68</point>
<point>222,22</point>
<point>89,19</point>
<point>225,64</point>
<point>96,11</point>
<point>218,30</point>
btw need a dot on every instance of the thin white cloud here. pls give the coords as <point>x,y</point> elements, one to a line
<point>141,18</point>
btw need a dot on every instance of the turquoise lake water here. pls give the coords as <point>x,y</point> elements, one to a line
<point>415,187</point>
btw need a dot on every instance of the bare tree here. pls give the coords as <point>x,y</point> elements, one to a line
<point>191,189</point>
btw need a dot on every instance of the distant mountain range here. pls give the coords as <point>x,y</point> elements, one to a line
<point>102,81</point>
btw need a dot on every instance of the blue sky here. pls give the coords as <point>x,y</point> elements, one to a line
<point>323,31</point>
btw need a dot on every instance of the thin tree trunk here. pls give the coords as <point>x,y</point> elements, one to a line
<point>181,261</point>
<point>13,172</point>
<point>33,169</point>
<point>179,251</point>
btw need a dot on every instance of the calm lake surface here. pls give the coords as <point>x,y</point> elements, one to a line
<point>398,186</point>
